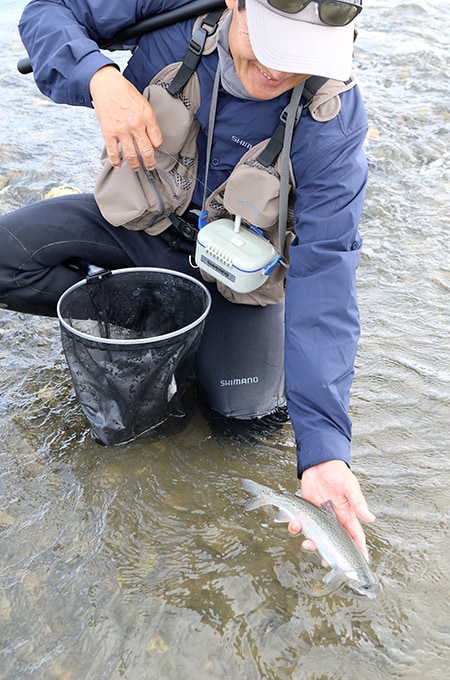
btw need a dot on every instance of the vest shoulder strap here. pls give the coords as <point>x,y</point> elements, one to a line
<point>207,28</point>
<point>274,146</point>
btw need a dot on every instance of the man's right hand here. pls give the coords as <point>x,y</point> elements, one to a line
<point>125,117</point>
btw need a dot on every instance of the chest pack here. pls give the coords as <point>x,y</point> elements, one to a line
<point>247,223</point>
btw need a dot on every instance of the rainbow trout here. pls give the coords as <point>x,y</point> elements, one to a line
<point>320,524</point>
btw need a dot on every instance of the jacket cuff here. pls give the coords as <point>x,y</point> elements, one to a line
<point>321,448</point>
<point>79,93</point>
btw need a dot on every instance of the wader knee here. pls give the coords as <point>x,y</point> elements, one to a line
<point>240,361</point>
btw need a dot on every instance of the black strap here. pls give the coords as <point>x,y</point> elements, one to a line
<point>311,86</point>
<point>99,298</point>
<point>194,53</point>
<point>272,150</point>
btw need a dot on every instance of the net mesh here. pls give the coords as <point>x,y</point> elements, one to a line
<point>130,339</point>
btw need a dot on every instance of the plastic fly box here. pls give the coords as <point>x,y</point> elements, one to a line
<point>235,255</point>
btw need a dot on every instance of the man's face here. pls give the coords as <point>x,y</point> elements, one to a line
<point>259,81</point>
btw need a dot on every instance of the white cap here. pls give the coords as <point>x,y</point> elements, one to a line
<point>299,43</point>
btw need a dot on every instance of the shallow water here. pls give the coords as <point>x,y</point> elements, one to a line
<point>138,562</point>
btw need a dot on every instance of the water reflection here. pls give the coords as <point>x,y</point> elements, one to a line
<point>138,561</point>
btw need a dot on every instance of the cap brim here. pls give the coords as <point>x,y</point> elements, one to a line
<point>299,46</point>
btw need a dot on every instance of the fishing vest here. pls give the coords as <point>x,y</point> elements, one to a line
<point>144,200</point>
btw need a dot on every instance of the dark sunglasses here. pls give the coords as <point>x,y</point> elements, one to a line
<point>331,12</point>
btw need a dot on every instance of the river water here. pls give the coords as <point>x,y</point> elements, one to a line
<point>138,561</point>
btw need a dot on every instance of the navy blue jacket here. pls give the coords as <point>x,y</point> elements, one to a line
<point>322,321</point>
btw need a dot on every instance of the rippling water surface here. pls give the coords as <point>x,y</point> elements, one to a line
<point>138,562</point>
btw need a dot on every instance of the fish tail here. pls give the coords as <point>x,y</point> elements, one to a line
<point>253,487</point>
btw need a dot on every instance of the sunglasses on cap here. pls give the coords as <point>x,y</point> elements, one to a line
<point>331,12</point>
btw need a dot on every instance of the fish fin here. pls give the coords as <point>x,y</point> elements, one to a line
<point>254,503</point>
<point>329,584</point>
<point>282,516</point>
<point>320,590</point>
<point>334,579</point>
<point>328,507</point>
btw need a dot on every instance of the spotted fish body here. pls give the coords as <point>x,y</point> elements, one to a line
<point>320,524</point>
